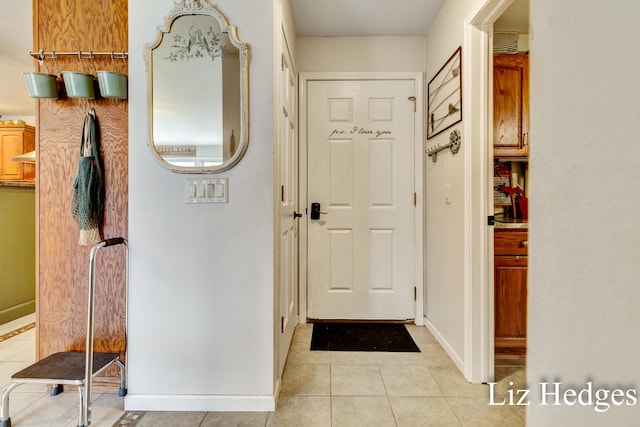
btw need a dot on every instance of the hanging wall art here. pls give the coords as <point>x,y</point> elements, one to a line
<point>444,94</point>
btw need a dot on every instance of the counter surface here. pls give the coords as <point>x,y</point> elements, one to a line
<point>511,223</point>
<point>17,183</point>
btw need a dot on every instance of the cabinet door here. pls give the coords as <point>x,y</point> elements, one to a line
<point>510,301</point>
<point>11,144</point>
<point>511,105</point>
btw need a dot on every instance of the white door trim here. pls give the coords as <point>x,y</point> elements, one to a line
<point>478,157</point>
<point>418,78</point>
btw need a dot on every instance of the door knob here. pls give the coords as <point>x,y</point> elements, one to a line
<point>296,215</point>
<point>315,211</point>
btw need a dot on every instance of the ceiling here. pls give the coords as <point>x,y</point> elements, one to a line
<point>333,18</point>
<point>312,18</point>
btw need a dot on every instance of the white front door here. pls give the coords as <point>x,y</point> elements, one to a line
<point>361,139</point>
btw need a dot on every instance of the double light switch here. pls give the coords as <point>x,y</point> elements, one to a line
<point>207,190</point>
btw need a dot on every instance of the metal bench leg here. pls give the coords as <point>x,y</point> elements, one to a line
<point>56,389</point>
<point>123,379</point>
<point>5,419</point>
<point>82,421</point>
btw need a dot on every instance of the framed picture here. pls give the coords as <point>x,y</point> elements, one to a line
<point>444,96</point>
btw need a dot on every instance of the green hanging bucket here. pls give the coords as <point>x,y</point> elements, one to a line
<point>41,85</point>
<point>79,85</point>
<point>112,84</point>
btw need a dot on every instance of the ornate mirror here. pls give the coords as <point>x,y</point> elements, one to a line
<point>198,91</point>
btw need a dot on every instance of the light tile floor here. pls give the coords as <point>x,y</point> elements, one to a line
<point>324,389</point>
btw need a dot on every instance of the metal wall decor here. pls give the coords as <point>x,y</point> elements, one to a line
<point>444,94</point>
<point>455,139</point>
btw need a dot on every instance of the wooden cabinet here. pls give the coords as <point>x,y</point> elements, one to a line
<point>511,105</point>
<point>16,140</point>
<point>510,296</point>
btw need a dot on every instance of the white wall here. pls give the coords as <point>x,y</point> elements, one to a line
<point>584,261</point>
<point>359,54</point>
<point>200,331</point>
<point>444,254</point>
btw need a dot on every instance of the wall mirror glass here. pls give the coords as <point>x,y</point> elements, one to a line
<point>198,91</point>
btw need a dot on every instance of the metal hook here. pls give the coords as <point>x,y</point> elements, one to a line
<point>53,56</point>
<point>86,55</point>
<point>42,61</point>
<point>93,64</point>
<point>81,64</point>
<point>113,62</point>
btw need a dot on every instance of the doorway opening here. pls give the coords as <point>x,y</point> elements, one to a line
<point>479,357</point>
<point>510,136</point>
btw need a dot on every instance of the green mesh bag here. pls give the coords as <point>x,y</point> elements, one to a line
<point>87,205</point>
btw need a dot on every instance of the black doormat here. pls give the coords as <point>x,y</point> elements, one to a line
<point>362,337</point>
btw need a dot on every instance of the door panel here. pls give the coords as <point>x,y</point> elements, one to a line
<point>288,179</point>
<point>361,170</point>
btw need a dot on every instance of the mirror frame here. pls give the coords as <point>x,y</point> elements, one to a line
<point>202,7</point>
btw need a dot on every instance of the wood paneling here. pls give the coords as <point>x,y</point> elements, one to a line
<point>63,265</point>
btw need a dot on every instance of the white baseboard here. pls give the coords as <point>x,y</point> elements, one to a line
<point>209,403</point>
<point>445,345</point>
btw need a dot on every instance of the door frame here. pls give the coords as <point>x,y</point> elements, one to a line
<point>418,270</point>
<point>479,354</point>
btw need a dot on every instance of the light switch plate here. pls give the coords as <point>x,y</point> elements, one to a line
<point>447,194</point>
<point>207,190</point>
